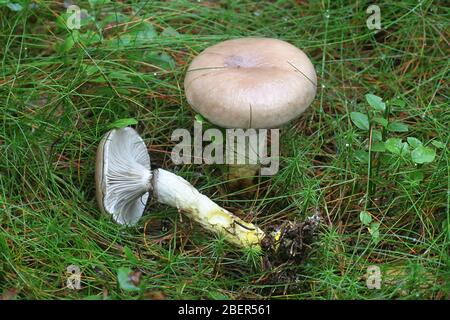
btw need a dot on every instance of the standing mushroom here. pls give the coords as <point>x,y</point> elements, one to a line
<point>124,181</point>
<point>250,83</point>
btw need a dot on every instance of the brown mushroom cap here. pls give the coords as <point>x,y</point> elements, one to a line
<point>251,83</point>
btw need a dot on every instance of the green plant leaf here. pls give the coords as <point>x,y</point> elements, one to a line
<point>122,123</point>
<point>378,146</point>
<point>113,18</point>
<point>397,127</point>
<point>360,120</point>
<point>398,102</point>
<point>381,121</point>
<point>438,144</point>
<point>144,31</point>
<point>14,6</point>
<point>374,230</point>
<point>162,60</point>
<point>68,43</point>
<point>415,177</point>
<point>123,278</point>
<point>365,218</point>
<point>393,145</point>
<point>120,76</point>
<point>396,146</point>
<point>170,32</point>
<point>376,135</point>
<point>130,255</point>
<point>138,34</point>
<point>362,156</point>
<point>375,102</point>
<point>167,59</point>
<point>218,296</point>
<point>90,69</point>
<point>90,38</point>
<point>414,142</point>
<point>423,154</point>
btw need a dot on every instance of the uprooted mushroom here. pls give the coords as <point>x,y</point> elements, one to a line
<point>124,181</point>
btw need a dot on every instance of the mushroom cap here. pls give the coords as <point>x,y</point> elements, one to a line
<point>251,83</point>
<point>122,175</point>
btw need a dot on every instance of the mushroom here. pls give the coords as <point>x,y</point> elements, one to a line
<point>124,181</point>
<point>250,83</point>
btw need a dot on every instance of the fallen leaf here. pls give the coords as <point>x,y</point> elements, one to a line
<point>135,277</point>
<point>9,294</point>
<point>155,295</point>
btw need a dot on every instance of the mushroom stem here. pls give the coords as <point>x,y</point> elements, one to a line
<point>173,190</point>
<point>241,176</point>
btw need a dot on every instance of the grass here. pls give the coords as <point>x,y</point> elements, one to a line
<point>60,90</point>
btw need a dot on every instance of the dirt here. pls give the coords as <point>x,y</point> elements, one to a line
<point>286,246</point>
<point>290,242</point>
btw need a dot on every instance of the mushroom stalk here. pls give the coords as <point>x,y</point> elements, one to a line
<point>173,190</point>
